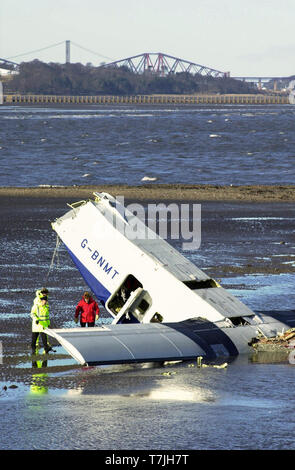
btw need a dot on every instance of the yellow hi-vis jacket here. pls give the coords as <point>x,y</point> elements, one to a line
<point>40,313</point>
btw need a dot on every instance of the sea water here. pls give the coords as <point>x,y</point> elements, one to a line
<point>223,145</point>
<point>59,405</point>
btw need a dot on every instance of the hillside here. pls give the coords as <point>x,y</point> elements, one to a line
<point>76,79</point>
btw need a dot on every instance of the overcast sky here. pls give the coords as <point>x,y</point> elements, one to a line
<point>245,37</point>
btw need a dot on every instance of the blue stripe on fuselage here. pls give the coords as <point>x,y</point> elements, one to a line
<point>97,288</point>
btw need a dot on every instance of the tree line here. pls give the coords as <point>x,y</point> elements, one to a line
<point>38,77</point>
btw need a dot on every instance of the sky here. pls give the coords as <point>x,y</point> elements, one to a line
<point>244,37</point>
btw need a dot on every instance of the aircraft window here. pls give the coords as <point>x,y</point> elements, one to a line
<point>123,293</point>
<point>157,318</point>
<point>140,309</point>
<point>143,306</point>
<point>195,284</point>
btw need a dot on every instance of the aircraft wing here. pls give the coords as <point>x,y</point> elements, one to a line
<point>119,344</point>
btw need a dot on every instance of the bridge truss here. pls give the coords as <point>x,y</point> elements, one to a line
<point>164,64</point>
<point>8,64</point>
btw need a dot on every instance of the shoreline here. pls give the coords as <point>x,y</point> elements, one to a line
<point>153,99</point>
<point>198,192</point>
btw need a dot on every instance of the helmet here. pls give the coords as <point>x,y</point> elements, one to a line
<point>42,292</point>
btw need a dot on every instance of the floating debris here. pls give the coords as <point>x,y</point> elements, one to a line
<point>149,178</point>
<point>5,387</point>
<point>282,341</point>
<point>215,366</point>
<point>50,186</point>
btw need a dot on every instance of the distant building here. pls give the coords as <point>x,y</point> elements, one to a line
<point>7,72</point>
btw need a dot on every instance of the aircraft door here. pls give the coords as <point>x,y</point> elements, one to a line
<point>130,302</point>
<point>135,308</point>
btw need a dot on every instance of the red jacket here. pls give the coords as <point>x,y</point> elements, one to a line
<point>88,311</point>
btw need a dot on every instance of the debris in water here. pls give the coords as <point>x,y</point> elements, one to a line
<point>281,341</point>
<point>149,178</point>
<point>215,366</point>
<point>9,386</point>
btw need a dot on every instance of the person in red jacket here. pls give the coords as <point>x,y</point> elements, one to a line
<point>88,310</point>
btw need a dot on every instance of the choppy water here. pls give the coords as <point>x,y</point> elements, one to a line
<point>96,145</point>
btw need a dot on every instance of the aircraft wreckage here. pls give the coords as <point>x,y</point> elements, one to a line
<point>164,307</point>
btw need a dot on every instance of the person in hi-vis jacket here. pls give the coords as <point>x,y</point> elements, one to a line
<point>40,321</point>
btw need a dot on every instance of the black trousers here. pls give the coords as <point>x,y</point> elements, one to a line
<point>44,341</point>
<point>86,323</point>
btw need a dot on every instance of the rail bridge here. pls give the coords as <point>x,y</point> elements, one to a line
<point>157,63</point>
<point>8,65</point>
<point>163,64</point>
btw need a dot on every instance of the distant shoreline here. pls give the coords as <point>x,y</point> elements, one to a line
<point>153,99</point>
<point>198,192</point>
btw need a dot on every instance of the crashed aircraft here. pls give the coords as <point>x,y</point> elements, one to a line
<point>164,308</point>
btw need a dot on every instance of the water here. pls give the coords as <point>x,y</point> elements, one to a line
<point>135,408</point>
<point>250,248</point>
<point>101,145</point>
<point>61,405</point>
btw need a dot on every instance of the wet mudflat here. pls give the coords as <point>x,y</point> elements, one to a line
<point>249,247</point>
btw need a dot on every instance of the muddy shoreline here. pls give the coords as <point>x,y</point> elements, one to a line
<point>253,193</point>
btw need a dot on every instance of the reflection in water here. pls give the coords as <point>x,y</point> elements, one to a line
<point>196,394</point>
<point>140,408</point>
<point>137,383</point>
<point>39,364</point>
<point>270,357</point>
